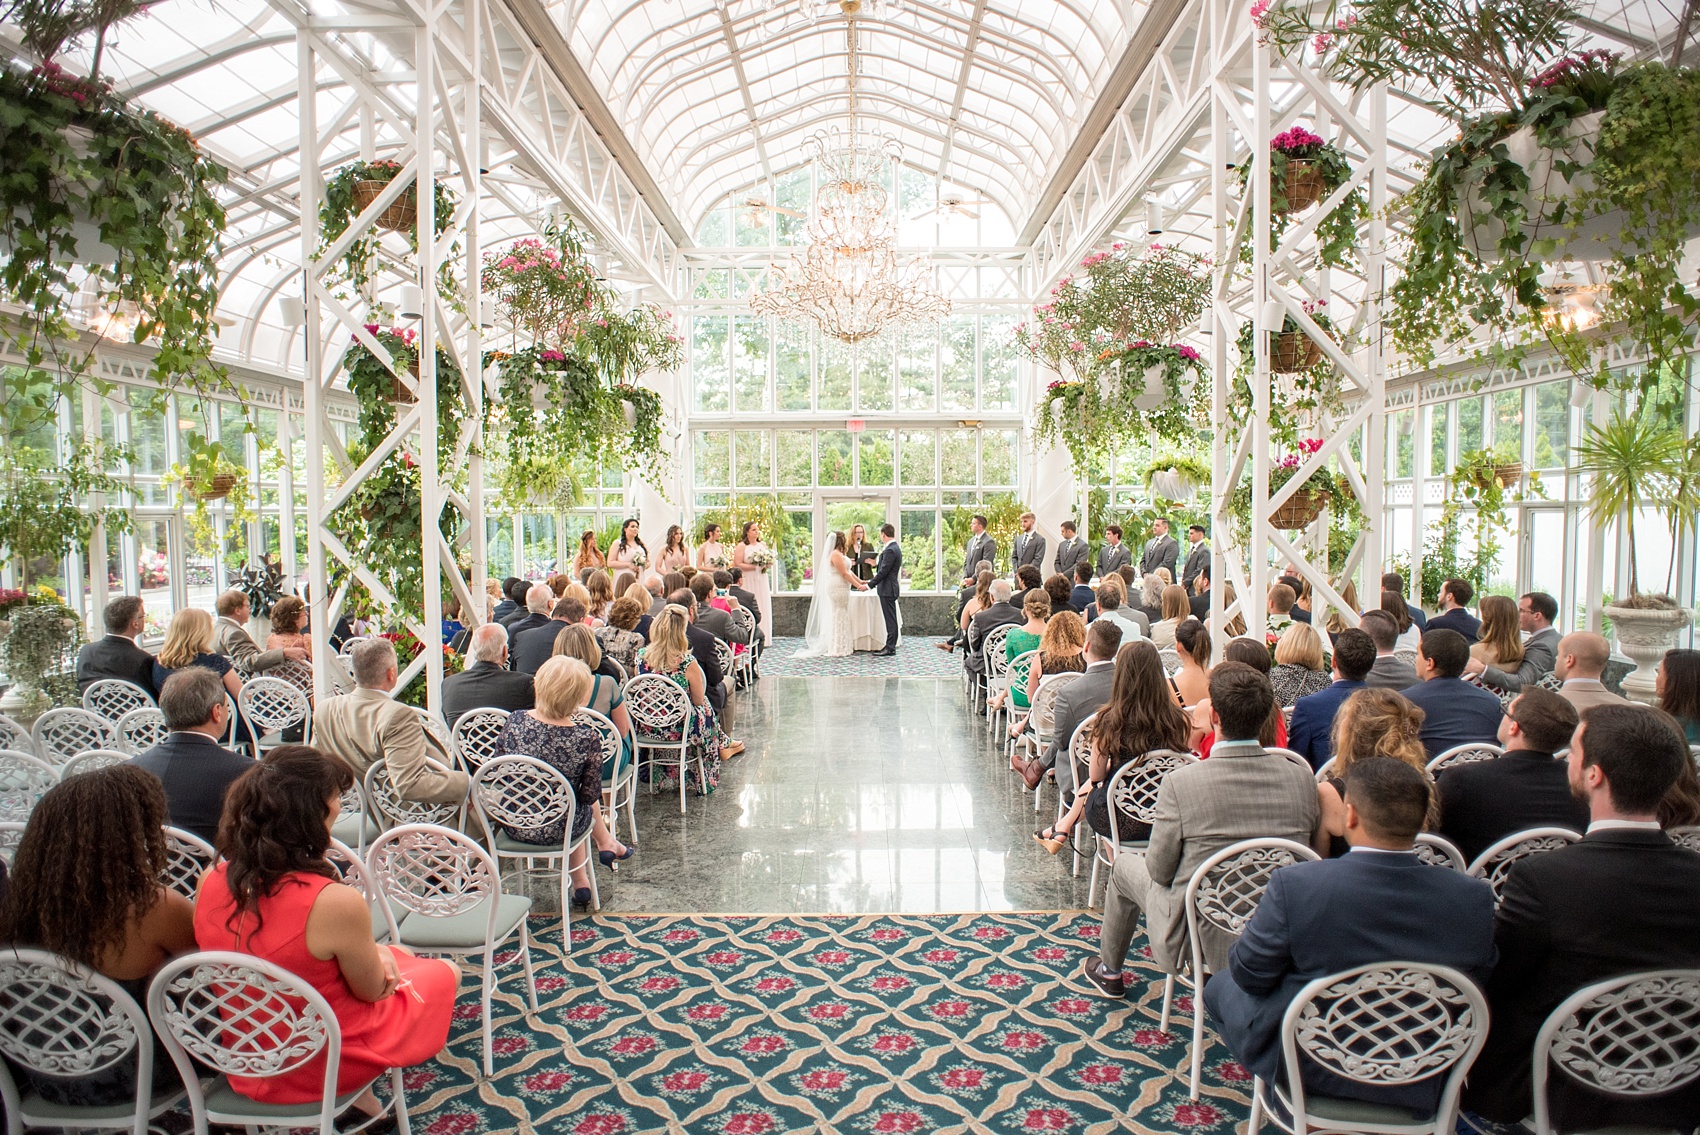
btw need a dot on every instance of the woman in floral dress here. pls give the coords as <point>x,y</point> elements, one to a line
<point>669,654</point>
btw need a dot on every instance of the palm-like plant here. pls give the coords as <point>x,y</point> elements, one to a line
<point>1631,462</point>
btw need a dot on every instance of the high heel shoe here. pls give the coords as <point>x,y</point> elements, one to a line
<point>1051,843</point>
<point>581,898</point>
<point>608,858</point>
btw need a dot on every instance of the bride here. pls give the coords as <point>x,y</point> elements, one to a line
<point>828,634</point>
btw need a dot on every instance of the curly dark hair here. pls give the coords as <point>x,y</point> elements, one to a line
<point>89,863</point>
<point>274,822</point>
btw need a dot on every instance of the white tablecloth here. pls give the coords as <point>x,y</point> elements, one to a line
<point>867,620</point>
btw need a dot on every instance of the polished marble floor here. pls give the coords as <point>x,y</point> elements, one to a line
<point>855,795</point>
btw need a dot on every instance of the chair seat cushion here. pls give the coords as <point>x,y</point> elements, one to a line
<point>1346,1111</point>
<point>508,845</point>
<point>355,828</point>
<point>464,931</point>
<point>40,1112</point>
<point>221,1097</point>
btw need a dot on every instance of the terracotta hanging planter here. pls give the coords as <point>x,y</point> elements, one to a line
<point>1301,509</point>
<point>1303,185</point>
<point>216,489</point>
<point>398,392</point>
<point>1508,474</point>
<point>403,212</point>
<point>1292,352</point>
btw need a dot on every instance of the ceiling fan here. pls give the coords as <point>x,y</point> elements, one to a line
<point>757,205</point>
<point>955,203</point>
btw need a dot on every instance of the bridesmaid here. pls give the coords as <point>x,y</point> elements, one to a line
<point>624,553</point>
<point>755,576</point>
<point>589,555</point>
<point>675,555</point>
<point>710,549</point>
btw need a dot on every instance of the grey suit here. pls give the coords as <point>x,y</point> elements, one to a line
<point>981,547</point>
<point>1160,552</point>
<point>1069,553</point>
<point>1027,548</point>
<point>231,639</point>
<point>1079,700</point>
<point>1540,655</point>
<point>1586,693</point>
<point>719,624</point>
<point>1197,560</point>
<point>1390,673</point>
<point>983,623</point>
<point>1111,557</point>
<point>1241,792</point>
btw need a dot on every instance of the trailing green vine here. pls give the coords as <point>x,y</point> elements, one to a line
<point>342,204</point>
<point>1294,155</point>
<point>1294,394</point>
<point>1097,416</point>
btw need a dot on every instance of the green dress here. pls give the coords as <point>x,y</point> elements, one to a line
<point>1018,643</point>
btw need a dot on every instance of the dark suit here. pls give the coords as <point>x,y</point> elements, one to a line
<point>1323,917</point>
<point>1456,712</point>
<point>1390,673</point>
<point>505,610</point>
<point>114,656</point>
<point>518,626</point>
<point>1458,620</point>
<point>979,548</point>
<point>1069,553</point>
<point>1112,556</point>
<point>714,678</point>
<point>747,600</point>
<point>997,615</point>
<point>484,685</point>
<point>1311,733</point>
<point>719,624</point>
<point>1081,597</point>
<point>195,770</point>
<point>1200,605</point>
<point>885,583</point>
<point>1621,901</point>
<point>1196,561</point>
<point>1483,802</point>
<point>1078,700</point>
<point>1417,616</point>
<point>533,646</point>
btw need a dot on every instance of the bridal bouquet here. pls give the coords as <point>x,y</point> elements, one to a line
<point>761,557</point>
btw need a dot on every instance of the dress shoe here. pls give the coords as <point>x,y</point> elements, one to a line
<point>1112,986</point>
<point>1032,772</point>
<point>947,647</point>
<point>885,654</point>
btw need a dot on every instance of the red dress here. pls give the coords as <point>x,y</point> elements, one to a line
<point>376,1035</point>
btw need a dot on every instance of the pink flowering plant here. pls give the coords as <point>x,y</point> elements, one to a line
<point>1098,416</point>
<point>1322,482</point>
<point>1296,154</point>
<point>548,288</point>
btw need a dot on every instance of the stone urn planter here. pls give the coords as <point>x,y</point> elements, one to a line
<point>1645,634</point>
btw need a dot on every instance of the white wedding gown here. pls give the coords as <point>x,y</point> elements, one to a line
<point>829,634</point>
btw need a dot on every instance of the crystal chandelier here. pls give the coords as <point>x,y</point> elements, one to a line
<point>849,281</point>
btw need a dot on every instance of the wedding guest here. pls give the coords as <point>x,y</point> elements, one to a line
<point>624,583</point>
<point>1192,643</point>
<point>1081,595</point>
<point>1062,650</point>
<point>117,655</point>
<point>189,642</point>
<point>1027,577</point>
<point>1455,595</point>
<point>619,639</point>
<point>1499,639</point>
<point>601,593</point>
<point>1371,723</point>
<point>289,619</point>
<point>231,639</point>
<point>736,589</point>
<point>1394,582</point>
<point>1390,672</point>
<point>1174,609</point>
<point>194,768</point>
<point>581,593</point>
<point>452,625</point>
<point>1581,667</point>
<point>1150,596</point>
<point>588,556</point>
<point>1246,652</point>
<point>711,551</point>
<point>1459,713</point>
<point>486,683</point>
<point>1025,637</point>
<point>1112,605</point>
<point>1300,668</point>
<point>1536,611</point>
<point>669,654</point>
<point>1336,621</point>
<point>1484,801</point>
<point>1410,632</point>
<point>979,601</point>
<point>1312,731</point>
<point>1059,589</point>
<point>1678,689</point>
<point>507,604</point>
<point>534,647</point>
<point>674,553</point>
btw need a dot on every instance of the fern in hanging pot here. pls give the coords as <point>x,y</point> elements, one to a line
<point>206,474</point>
<point>379,390</point>
<point>1303,170</point>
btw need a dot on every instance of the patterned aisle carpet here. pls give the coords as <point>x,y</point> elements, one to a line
<point>917,657</point>
<point>841,1023</point>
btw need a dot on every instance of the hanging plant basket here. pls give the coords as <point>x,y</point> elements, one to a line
<point>1304,185</point>
<point>1301,509</point>
<point>399,393</point>
<point>1508,473</point>
<point>1174,486</point>
<point>215,488</point>
<point>1293,352</point>
<point>403,212</point>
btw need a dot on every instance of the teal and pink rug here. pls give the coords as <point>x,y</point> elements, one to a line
<point>758,1025</point>
<point>917,657</point>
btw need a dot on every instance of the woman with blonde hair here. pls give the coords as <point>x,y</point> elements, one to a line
<point>1336,622</point>
<point>1236,625</point>
<point>589,555</point>
<point>582,593</point>
<point>1501,640</point>
<point>1300,667</point>
<point>605,697</point>
<point>189,642</point>
<point>1372,723</point>
<point>669,655</point>
<point>1175,609</point>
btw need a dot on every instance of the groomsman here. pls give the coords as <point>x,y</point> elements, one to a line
<point>1070,551</point>
<point>1112,553</point>
<point>1028,548</point>
<point>1161,551</point>
<point>980,546</point>
<point>1198,559</point>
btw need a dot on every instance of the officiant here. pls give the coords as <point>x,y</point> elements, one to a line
<point>863,556</point>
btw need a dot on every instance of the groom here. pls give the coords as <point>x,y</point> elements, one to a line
<point>884,584</point>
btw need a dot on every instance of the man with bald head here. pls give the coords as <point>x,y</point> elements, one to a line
<point>487,683</point>
<point>1581,664</point>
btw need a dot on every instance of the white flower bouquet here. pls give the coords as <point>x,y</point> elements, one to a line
<point>640,558</point>
<point>762,558</point>
<point>720,560</point>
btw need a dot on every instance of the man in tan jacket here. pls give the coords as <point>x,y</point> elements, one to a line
<point>1581,666</point>
<point>231,639</point>
<point>367,726</point>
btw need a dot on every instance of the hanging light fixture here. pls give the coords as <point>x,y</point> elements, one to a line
<point>849,280</point>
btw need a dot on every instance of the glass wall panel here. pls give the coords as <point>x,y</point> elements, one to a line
<point>836,373</point>
<point>919,465</point>
<point>917,362</point>
<point>997,458</point>
<point>713,458</point>
<point>920,551</point>
<point>835,458</point>
<point>499,546</point>
<point>710,367</point>
<point>998,363</point>
<point>541,552</point>
<point>796,458</point>
<point>749,365</point>
<point>957,466</point>
<point>957,363</point>
<point>874,458</point>
<point>875,378</point>
<point>1469,424</point>
<point>1508,424</point>
<point>793,372</point>
<point>754,455</point>
<point>1552,425</point>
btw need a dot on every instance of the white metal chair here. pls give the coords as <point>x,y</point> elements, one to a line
<point>450,893</point>
<point>388,808</point>
<point>1325,770</point>
<point>112,698</point>
<point>1278,751</point>
<point>1386,1024</point>
<point>992,652</point>
<point>60,734</point>
<point>745,661</point>
<point>1437,851</point>
<point>1080,761</point>
<point>1223,893</point>
<point>434,725</point>
<point>271,705</point>
<point>141,729</point>
<point>190,856</point>
<point>1463,755</point>
<point>1041,718</point>
<point>24,779</point>
<point>658,706</point>
<point>514,791</point>
<point>1495,863</point>
<point>1687,837</point>
<point>1132,794</point>
<point>243,1016</point>
<point>11,835</point>
<point>1169,659</point>
<point>474,736</point>
<point>725,659</point>
<point>1634,1035</point>
<point>352,868</point>
<point>621,786</point>
<point>61,1019</point>
<point>92,760</point>
<point>356,825</point>
<point>1015,678</point>
<point>15,737</point>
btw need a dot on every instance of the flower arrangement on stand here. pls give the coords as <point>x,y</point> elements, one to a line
<point>1303,170</point>
<point>1303,379</point>
<point>38,651</point>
